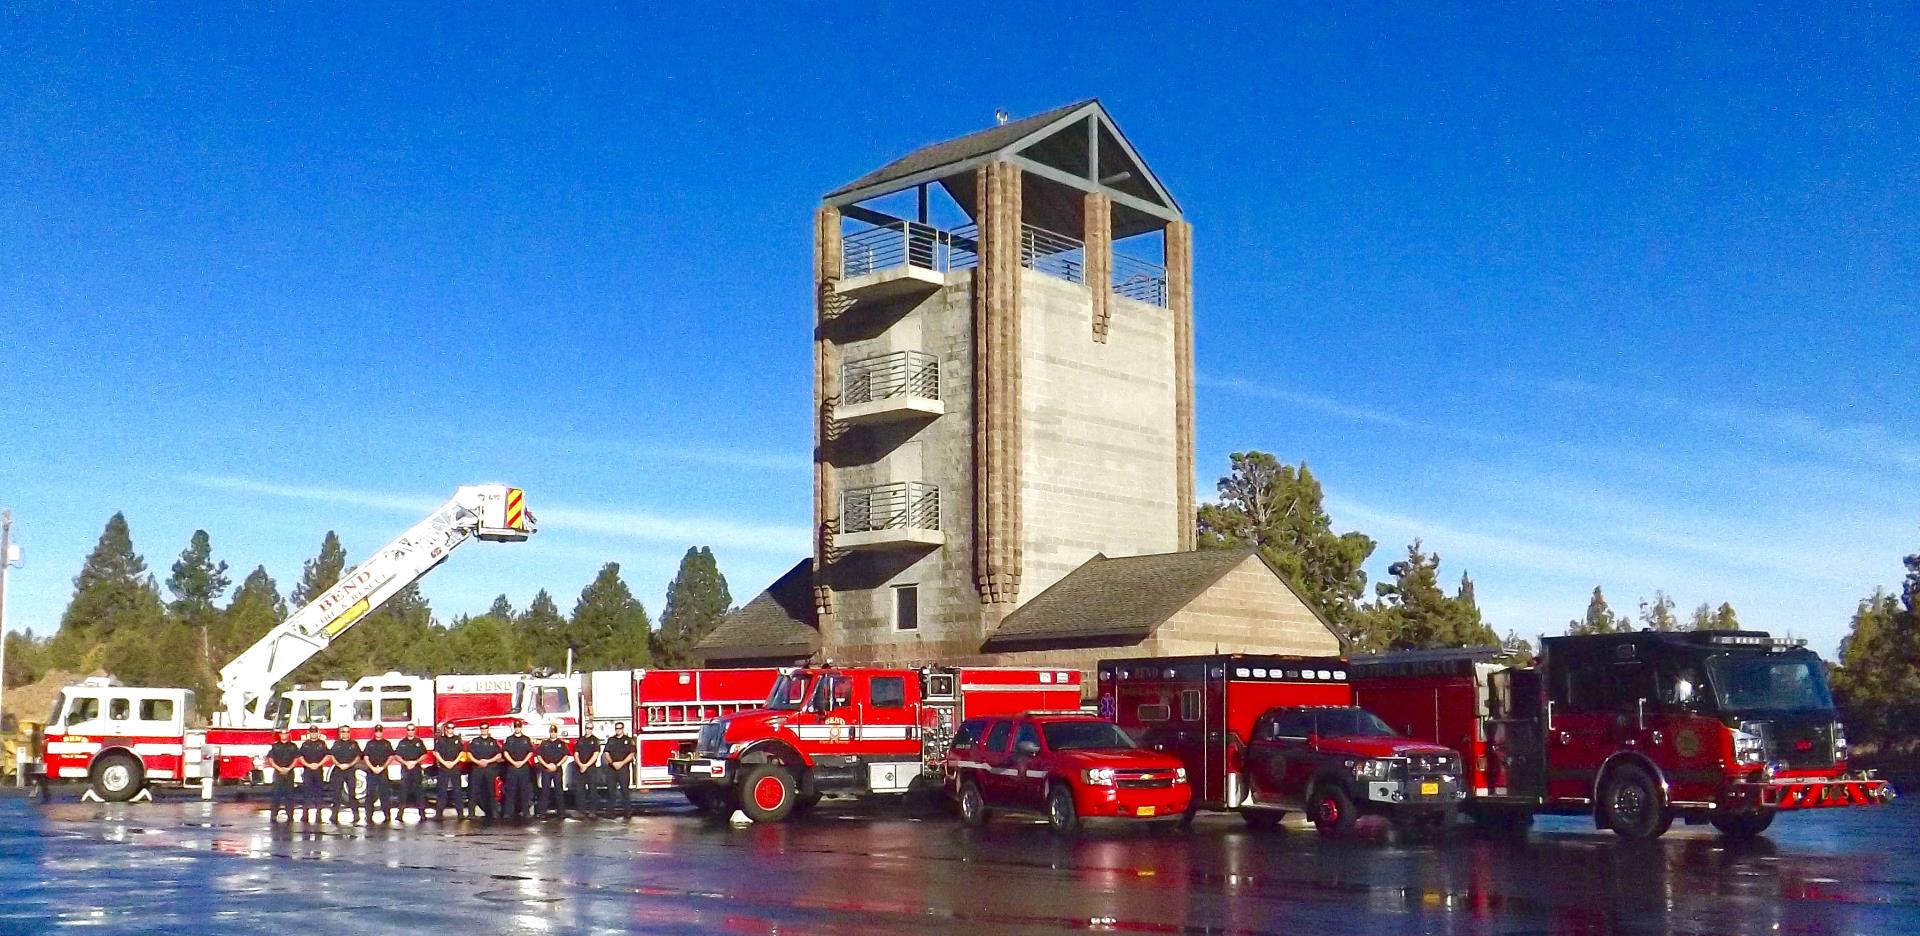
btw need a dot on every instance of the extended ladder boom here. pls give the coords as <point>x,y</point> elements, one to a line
<point>486,511</point>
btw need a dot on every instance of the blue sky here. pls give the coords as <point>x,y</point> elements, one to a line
<point>1587,296</point>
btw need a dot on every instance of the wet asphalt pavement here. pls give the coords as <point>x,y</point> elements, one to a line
<point>186,866</point>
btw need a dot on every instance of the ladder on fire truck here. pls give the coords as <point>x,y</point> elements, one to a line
<point>492,512</point>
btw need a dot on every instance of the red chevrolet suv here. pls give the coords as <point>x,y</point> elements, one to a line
<point>1065,766</point>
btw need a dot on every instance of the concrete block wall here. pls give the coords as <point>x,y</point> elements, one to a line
<point>1250,610</point>
<point>1100,446</point>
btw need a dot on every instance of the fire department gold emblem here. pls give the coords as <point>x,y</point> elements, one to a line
<point>836,729</point>
<point>1687,742</point>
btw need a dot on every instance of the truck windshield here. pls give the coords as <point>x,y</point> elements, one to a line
<point>1085,736</point>
<point>1772,682</point>
<point>1351,723</point>
<point>788,693</point>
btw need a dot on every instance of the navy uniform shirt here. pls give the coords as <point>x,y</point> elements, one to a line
<point>553,752</point>
<point>448,748</point>
<point>483,747</point>
<point>312,752</point>
<point>519,746</point>
<point>411,749</point>
<point>283,753</point>
<point>345,751</point>
<point>585,750</point>
<point>619,747</point>
<point>378,750</point>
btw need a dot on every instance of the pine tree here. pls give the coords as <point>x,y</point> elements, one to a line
<point>321,572</point>
<point>1724,619</point>
<point>113,591</point>
<point>1414,612</point>
<point>1658,613</point>
<point>609,629</point>
<point>26,662</point>
<point>256,608</point>
<point>1600,618</point>
<point>1278,508</point>
<point>697,600</point>
<point>540,635</point>
<point>488,643</point>
<point>1701,619</point>
<point>197,584</point>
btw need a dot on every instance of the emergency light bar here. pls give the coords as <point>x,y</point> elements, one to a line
<point>1757,640</point>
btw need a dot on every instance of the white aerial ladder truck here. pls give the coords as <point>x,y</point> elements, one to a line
<point>121,737</point>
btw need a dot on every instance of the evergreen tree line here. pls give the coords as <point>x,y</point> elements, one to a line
<point>1877,683</point>
<point>124,621</point>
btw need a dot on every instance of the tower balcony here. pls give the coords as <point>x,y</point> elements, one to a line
<point>901,515</point>
<point>889,388</point>
<point>901,258</point>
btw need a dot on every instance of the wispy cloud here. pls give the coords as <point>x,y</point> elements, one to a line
<point>643,526</point>
<point>1328,406</point>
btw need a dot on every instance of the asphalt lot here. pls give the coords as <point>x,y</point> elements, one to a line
<point>187,866</point>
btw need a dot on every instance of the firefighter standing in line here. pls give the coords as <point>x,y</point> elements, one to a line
<point>281,758</point>
<point>620,754</point>
<point>519,788</point>
<point>346,760</point>
<point>314,759</point>
<point>587,755</point>
<point>484,752</point>
<point>553,774</point>
<point>376,755</point>
<point>413,755</point>
<point>447,790</point>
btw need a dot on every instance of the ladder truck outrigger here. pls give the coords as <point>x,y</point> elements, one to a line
<point>120,738</point>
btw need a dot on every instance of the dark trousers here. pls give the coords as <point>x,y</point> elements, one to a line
<point>518,795</point>
<point>448,793</point>
<point>413,792</point>
<point>282,794</point>
<point>343,793</point>
<point>480,790</point>
<point>620,792</point>
<point>313,790</point>
<point>593,789</point>
<point>553,792</point>
<point>379,790</point>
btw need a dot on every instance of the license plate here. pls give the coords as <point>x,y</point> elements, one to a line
<point>1144,811</point>
<point>1429,789</point>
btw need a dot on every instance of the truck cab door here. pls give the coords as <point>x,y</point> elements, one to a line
<point>1279,759</point>
<point>1595,710</point>
<point>1027,784</point>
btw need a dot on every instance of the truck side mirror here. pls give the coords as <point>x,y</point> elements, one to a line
<point>1027,748</point>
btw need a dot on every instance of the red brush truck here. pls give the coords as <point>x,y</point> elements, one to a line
<point>1636,730</point>
<point>859,730</point>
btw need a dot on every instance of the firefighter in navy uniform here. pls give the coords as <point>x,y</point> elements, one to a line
<point>281,758</point>
<point>375,756</point>
<point>589,758</point>
<point>314,760</point>
<point>619,755</point>
<point>552,764</point>
<point>518,794</point>
<point>346,762</point>
<point>413,756</point>
<point>447,789</point>
<point>484,752</point>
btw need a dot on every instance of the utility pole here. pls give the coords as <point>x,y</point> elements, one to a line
<point>6,562</point>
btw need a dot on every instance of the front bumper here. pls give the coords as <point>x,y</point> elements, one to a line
<point>1106,802</point>
<point>1789,794</point>
<point>693,770</point>
<point>1416,794</point>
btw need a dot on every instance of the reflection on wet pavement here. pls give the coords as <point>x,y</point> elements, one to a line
<point>194,866</point>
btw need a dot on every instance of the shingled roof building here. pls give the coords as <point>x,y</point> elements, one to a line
<point>1003,385</point>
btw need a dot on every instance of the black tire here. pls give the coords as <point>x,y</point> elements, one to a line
<point>1332,810</point>
<point>805,803</point>
<point>117,777</point>
<point>973,806</point>
<point>1742,826</point>
<point>1630,805</point>
<point>1063,817</point>
<point>1261,820</point>
<point>768,793</point>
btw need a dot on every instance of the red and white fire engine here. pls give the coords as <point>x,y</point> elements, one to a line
<point>121,738</point>
<point>1636,730</point>
<point>857,730</point>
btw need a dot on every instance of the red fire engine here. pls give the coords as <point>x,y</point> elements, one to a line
<point>1636,730</point>
<point>861,730</point>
